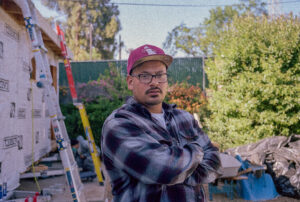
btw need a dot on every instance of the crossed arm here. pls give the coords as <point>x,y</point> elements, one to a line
<point>143,157</point>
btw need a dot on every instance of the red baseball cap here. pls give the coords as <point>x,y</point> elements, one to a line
<point>146,53</point>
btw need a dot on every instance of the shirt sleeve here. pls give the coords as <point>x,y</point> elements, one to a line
<point>143,157</point>
<point>207,169</point>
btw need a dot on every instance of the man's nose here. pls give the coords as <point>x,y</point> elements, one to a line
<point>154,81</point>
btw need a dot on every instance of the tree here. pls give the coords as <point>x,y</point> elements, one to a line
<point>198,40</point>
<point>254,78</point>
<point>98,17</point>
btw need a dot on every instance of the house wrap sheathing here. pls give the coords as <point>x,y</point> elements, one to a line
<point>25,129</point>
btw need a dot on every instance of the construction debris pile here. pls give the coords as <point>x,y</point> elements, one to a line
<point>281,155</point>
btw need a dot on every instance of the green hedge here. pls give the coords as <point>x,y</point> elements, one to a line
<point>255,81</point>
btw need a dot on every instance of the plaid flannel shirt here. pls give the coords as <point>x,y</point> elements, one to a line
<point>146,162</point>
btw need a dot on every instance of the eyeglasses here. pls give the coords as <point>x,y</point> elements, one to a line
<point>147,78</point>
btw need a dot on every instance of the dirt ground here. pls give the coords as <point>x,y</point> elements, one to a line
<point>95,193</point>
<point>60,191</point>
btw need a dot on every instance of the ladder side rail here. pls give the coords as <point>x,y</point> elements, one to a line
<point>67,64</point>
<point>91,141</point>
<point>62,137</point>
<point>81,108</point>
<point>63,146</point>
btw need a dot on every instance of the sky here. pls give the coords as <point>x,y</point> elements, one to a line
<point>146,24</point>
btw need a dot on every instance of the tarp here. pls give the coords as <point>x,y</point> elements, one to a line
<point>280,153</point>
<point>258,186</point>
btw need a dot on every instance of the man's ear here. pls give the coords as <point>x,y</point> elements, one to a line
<point>129,80</point>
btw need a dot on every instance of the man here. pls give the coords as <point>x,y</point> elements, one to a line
<point>151,150</point>
<point>82,154</point>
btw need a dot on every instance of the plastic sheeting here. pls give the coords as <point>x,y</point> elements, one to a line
<point>282,156</point>
<point>20,130</point>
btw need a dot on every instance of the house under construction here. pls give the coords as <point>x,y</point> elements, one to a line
<point>25,128</point>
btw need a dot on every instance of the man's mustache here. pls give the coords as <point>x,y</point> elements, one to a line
<point>156,88</point>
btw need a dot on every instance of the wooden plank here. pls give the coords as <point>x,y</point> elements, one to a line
<point>16,13</point>
<point>13,10</point>
<point>45,173</point>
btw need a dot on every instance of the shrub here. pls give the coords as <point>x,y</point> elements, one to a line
<point>255,81</point>
<point>89,92</point>
<point>190,98</point>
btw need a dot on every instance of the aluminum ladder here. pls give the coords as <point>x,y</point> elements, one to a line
<point>51,99</point>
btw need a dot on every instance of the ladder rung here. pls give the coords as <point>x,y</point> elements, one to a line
<point>80,187</point>
<point>60,118</point>
<point>43,48</point>
<point>74,165</point>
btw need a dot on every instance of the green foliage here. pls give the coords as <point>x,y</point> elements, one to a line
<point>185,39</point>
<point>254,78</point>
<point>117,83</point>
<point>111,85</point>
<point>101,14</point>
<point>72,120</point>
<point>97,113</point>
<point>198,40</point>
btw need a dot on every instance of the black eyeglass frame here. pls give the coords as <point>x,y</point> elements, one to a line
<point>152,75</point>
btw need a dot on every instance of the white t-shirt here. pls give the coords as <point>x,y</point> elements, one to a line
<point>160,119</point>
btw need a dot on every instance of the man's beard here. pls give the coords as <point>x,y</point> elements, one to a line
<point>155,101</point>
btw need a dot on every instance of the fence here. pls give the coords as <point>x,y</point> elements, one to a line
<point>182,69</point>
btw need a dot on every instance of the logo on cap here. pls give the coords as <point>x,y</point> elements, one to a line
<point>149,50</point>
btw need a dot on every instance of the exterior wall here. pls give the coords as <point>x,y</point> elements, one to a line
<point>21,131</point>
